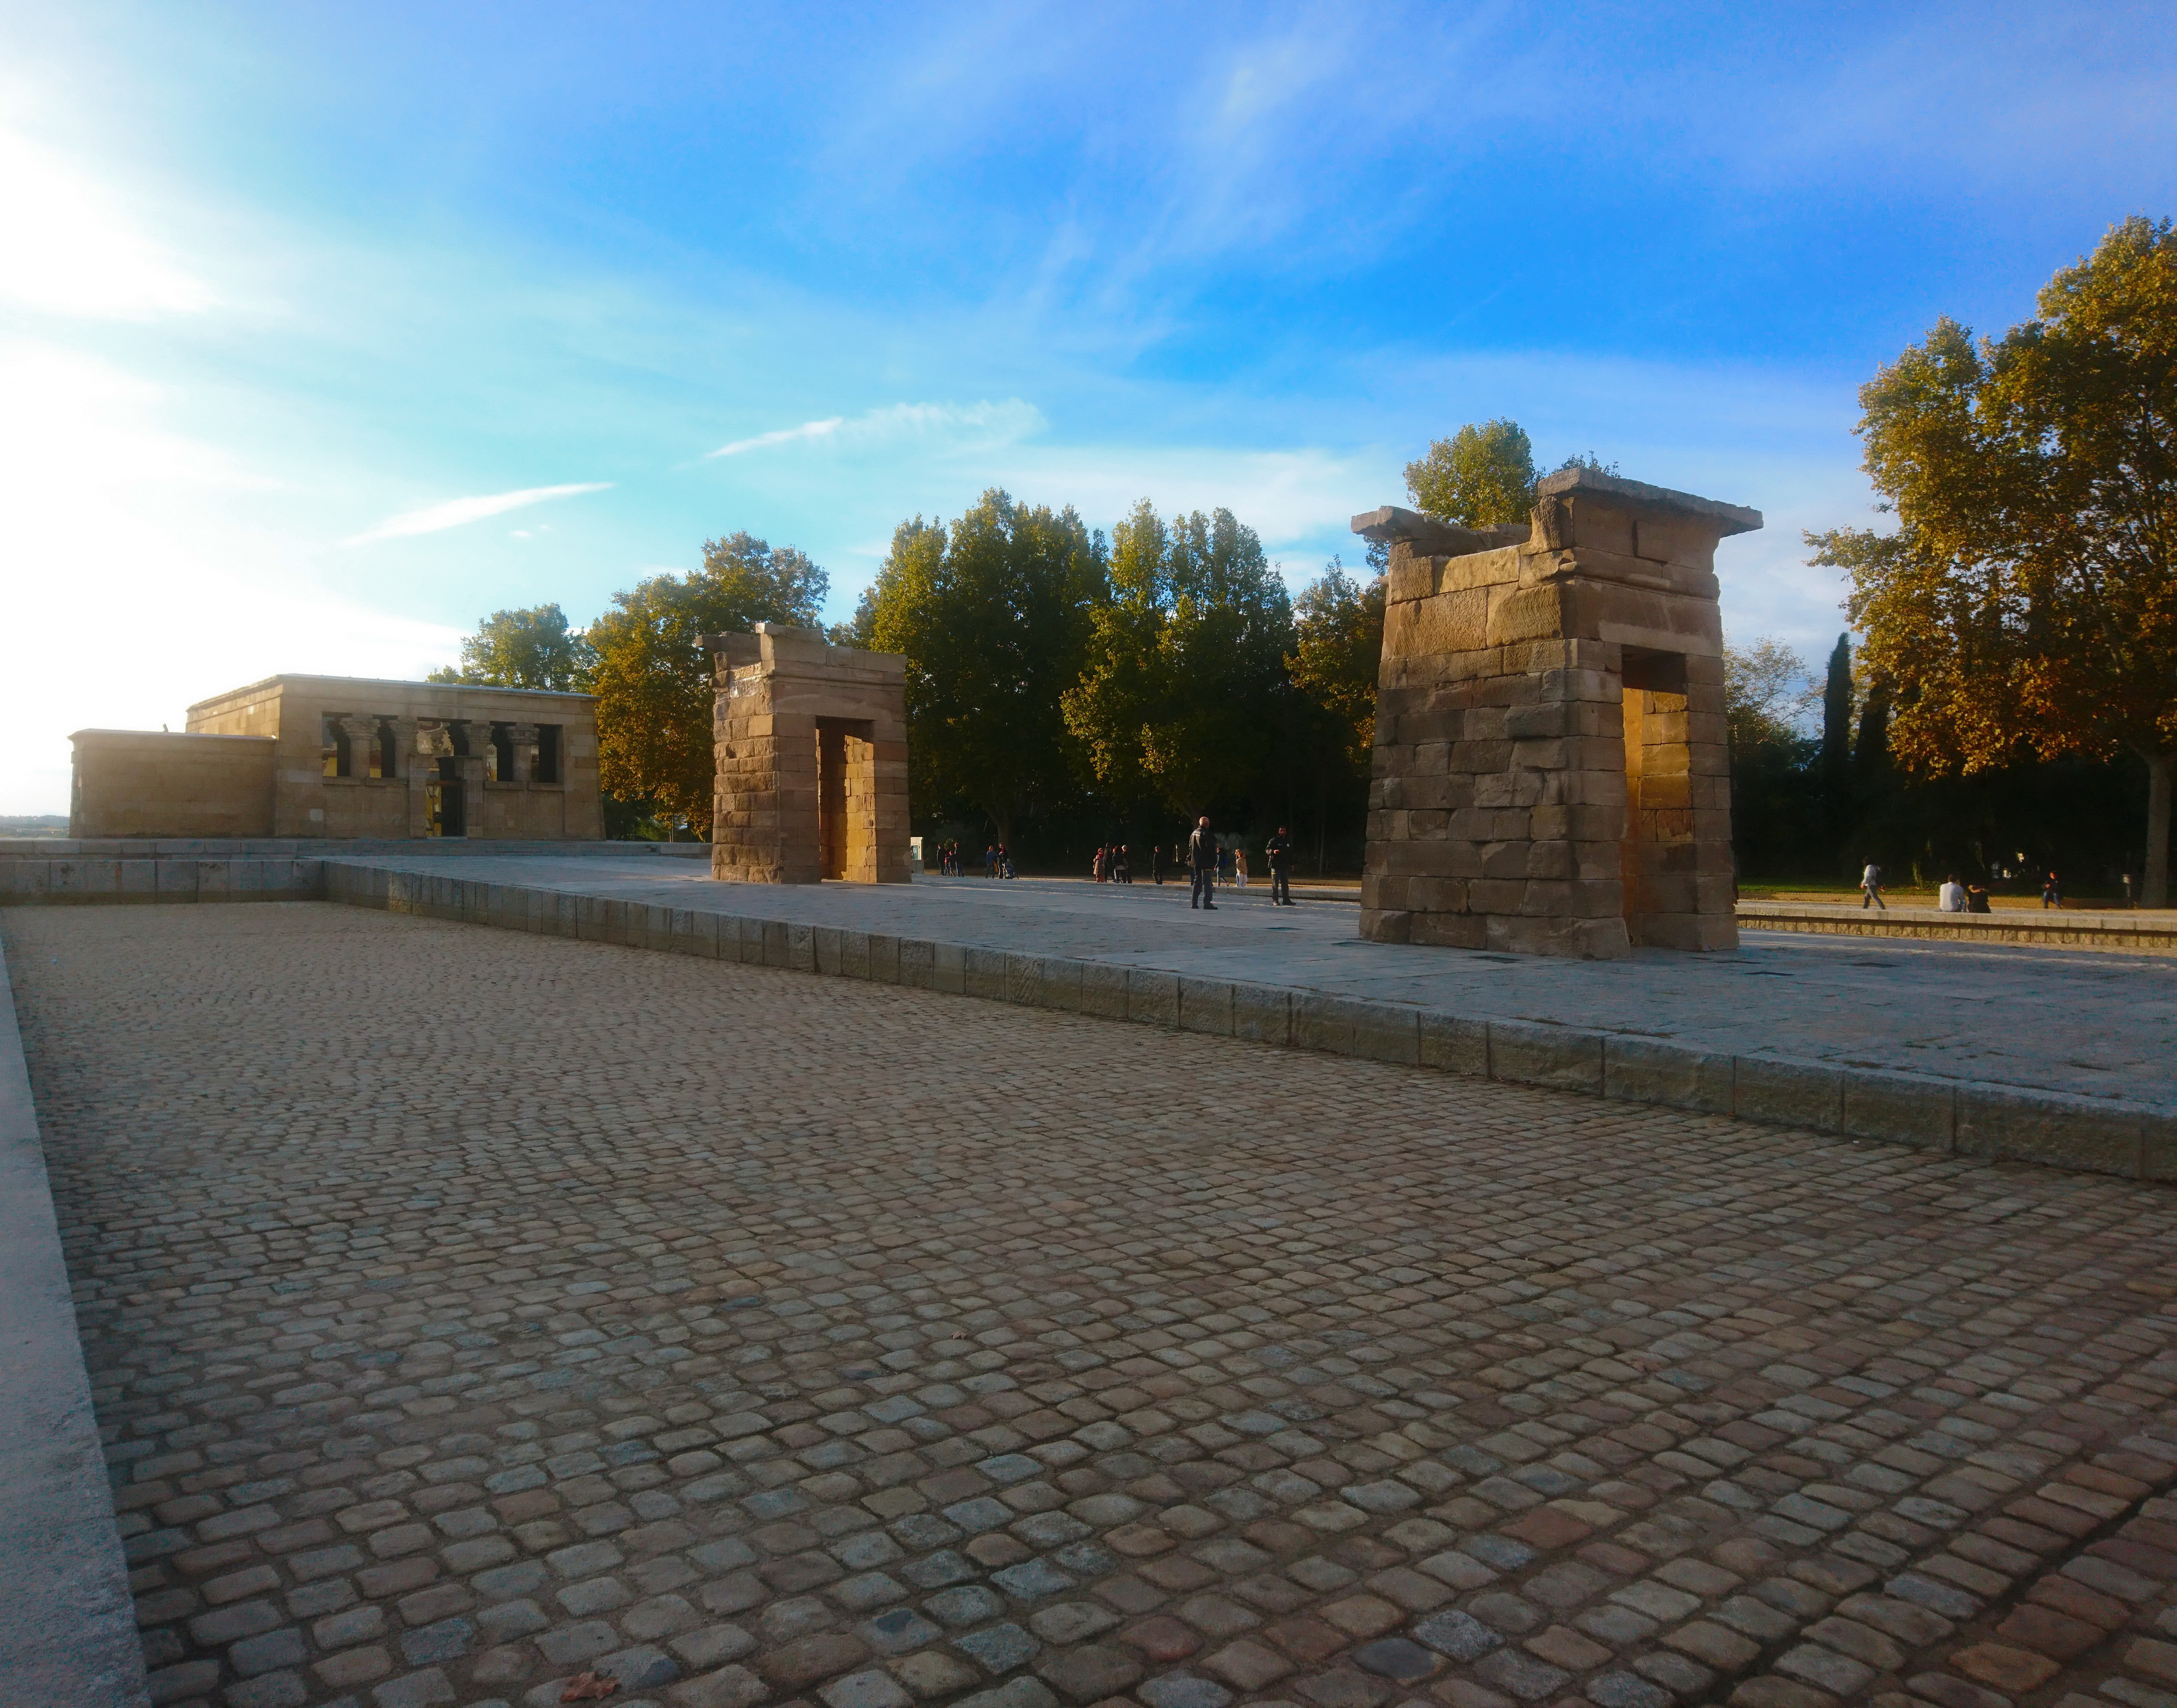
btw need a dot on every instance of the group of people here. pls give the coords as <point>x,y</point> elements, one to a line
<point>1209,862</point>
<point>996,863</point>
<point>1953,897</point>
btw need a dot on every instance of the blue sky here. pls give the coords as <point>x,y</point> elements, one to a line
<point>325,330</point>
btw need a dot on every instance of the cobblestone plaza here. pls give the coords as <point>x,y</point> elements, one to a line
<point>469,1311</point>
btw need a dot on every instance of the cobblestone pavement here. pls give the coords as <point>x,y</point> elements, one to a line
<point>2089,1022</point>
<point>469,1312</point>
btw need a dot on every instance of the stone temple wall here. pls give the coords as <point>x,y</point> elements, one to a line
<point>810,745</point>
<point>1550,775</point>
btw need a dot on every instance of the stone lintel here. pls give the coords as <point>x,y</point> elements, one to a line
<point>1639,498</point>
<point>1395,525</point>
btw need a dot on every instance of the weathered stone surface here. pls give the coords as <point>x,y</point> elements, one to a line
<point>810,746</point>
<point>1550,774</point>
<point>339,757</point>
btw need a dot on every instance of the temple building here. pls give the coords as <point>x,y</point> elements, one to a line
<point>347,757</point>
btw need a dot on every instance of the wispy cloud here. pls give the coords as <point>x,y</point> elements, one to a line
<point>977,424</point>
<point>808,430</point>
<point>454,513</point>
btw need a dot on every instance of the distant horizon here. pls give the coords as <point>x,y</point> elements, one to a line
<point>326,332</point>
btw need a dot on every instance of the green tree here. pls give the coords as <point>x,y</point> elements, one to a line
<point>1337,655</point>
<point>2027,598</point>
<point>993,615</point>
<point>523,649</point>
<point>1185,695</point>
<point>654,682</point>
<point>1761,688</point>
<point>1479,475</point>
<point>1837,734</point>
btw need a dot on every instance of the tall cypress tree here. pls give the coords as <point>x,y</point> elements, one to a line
<point>1837,740</point>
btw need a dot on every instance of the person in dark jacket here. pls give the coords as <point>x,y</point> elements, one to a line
<point>1279,851</point>
<point>1202,867</point>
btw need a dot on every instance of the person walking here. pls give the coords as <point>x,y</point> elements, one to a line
<point>1096,864</point>
<point>989,860</point>
<point>1202,867</point>
<point>2052,893</point>
<point>1156,863</point>
<point>1870,889</point>
<point>1240,865</point>
<point>1123,869</point>
<point>1280,854</point>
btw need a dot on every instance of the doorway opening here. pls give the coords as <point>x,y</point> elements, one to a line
<point>446,803</point>
<point>1656,856</point>
<point>846,799</point>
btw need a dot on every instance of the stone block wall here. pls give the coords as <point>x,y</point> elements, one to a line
<point>139,783</point>
<point>1550,770</point>
<point>810,743</point>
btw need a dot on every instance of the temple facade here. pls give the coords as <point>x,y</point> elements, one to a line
<point>345,757</point>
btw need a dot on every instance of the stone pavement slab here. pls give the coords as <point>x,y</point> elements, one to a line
<point>2095,1025</point>
<point>66,1632</point>
<point>469,1311</point>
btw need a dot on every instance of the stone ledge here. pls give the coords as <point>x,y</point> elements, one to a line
<point>2127,933</point>
<point>68,1622</point>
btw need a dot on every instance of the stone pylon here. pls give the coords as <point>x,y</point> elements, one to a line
<point>810,743</point>
<point>1550,773</point>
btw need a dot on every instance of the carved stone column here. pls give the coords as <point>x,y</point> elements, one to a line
<point>362,745</point>
<point>524,737</point>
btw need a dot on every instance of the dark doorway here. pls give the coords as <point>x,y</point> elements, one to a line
<point>445,802</point>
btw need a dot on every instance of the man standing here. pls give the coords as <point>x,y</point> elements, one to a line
<point>1202,867</point>
<point>1280,852</point>
<point>1870,887</point>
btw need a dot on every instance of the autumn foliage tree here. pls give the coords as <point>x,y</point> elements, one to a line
<point>653,680</point>
<point>2028,597</point>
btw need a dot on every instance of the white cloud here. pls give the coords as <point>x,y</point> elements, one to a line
<point>74,249</point>
<point>454,513</point>
<point>971,426</point>
<point>808,430</point>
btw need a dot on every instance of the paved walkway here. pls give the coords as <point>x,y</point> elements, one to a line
<point>469,1311</point>
<point>2094,1024</point>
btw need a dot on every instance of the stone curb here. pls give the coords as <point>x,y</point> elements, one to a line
<point>1951,1117</point>
<point>68,1622</point>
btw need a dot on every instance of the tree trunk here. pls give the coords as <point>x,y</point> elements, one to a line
<point>2155,892</point>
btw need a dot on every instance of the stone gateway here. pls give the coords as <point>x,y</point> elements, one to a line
<point>1550,773</point>
<point>810,743</point>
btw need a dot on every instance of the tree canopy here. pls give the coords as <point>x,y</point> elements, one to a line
<point>1184,696</point>
<point>1479,475</point>
<point>2028,597</point>
<point>523,649</point>
<point>1337,655</point>
<point>654,682</point>
<point>993,615</point>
